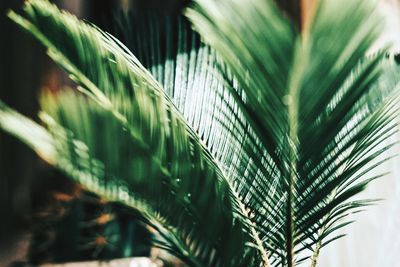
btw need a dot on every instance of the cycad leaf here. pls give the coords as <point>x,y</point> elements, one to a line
<point>59,149</point>
<point>189,71</point>
<point>314,103</point>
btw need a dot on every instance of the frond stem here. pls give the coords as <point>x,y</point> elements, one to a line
<point>252,226</point>
<point>292,103</point>
<point>318,245</point>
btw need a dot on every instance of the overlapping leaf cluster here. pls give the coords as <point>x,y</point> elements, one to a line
<point>122,137</point>
<point>264,138</point>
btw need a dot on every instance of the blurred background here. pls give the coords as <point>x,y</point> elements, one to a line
<point>36,200</point>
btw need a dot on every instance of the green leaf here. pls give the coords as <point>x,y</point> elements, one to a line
<point>315,106</point>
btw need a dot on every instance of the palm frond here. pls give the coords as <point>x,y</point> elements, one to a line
<point>308,100</point>
<point>189,72</point>
<point>47,145</point>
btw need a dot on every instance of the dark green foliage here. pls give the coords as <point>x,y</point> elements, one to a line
<point>152,139</point>
<point>246,152</point>
<point>307,99</point>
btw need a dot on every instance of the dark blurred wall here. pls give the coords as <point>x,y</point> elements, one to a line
<point>24,68</point>
<point>20,65</point>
